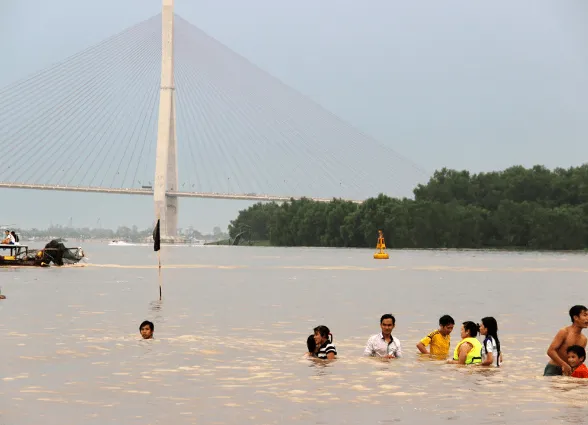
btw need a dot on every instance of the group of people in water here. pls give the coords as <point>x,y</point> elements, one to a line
<point>567,352</point>
<point>437,343</point>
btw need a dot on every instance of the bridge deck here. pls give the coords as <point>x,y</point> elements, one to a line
<point>136,191</point>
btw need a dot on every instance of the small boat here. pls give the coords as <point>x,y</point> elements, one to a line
<point>119,243</point>
<point>55,252</point>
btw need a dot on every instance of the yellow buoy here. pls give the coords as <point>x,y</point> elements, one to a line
<point>381,247</point>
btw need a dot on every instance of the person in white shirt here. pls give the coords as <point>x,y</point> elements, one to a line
<point>8,239</point>
<point>384,345</point>
<point>491,354</point>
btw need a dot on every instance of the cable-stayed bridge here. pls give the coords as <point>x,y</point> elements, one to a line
<point>101,120</point>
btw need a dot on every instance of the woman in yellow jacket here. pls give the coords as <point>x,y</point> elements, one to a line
<point>469,349</point>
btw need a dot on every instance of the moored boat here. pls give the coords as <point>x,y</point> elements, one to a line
<point>55,252</point>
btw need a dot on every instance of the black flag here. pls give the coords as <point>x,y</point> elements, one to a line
<point>156,237</point>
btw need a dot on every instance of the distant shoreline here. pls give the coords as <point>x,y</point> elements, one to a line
<point>266,244</point>
<point>516,209</point>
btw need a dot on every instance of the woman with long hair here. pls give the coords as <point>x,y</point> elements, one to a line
<point>491,354</point>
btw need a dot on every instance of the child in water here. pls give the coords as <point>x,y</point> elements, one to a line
<point>311,345</point>
<point>576,358</point>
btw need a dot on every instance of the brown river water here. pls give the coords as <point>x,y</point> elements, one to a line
<point>230,334</point>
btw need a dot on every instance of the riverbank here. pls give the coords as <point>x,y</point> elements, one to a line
<point>514,209</point>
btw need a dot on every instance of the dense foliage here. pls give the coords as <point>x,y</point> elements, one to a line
<point>532,208</point>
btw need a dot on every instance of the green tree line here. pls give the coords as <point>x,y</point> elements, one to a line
<point>532,208</point>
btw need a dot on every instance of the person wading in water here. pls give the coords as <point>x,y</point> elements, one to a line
<point>566,337</point>
<point>384,345</point>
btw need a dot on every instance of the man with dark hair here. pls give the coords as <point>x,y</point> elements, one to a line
<point>439,339</point>
<point>147,329</point>
<point>384,345</point>
<point>566,337</point>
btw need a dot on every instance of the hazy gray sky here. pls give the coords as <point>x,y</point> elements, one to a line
<point>460,84</point>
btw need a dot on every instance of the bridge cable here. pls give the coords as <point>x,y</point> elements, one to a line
<point>355,141</point>
<point>107,111</point>
<point>246,117</point>
<point>38,128</point>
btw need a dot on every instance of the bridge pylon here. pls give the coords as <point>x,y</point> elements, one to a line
<point>166,160</point>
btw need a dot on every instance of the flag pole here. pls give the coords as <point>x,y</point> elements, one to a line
<point>157,247</point>
<point>159,262</point>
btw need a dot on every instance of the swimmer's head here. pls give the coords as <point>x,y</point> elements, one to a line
<point>576,355</point>
<point>311,344</point>
<point>322,334</point>
<point>446,325</point>
<point>469,329</point>
<point>579,315</point>
<point>488,327</point>
<point>387,324</point>
<point>147,329</point>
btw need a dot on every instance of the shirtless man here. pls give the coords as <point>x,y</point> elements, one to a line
<point>566,337</point>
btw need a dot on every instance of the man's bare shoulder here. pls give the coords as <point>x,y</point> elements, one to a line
<point>560,337</point>
<point>572,333</point>
<point>570,329</point>
<point>563,332</point>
